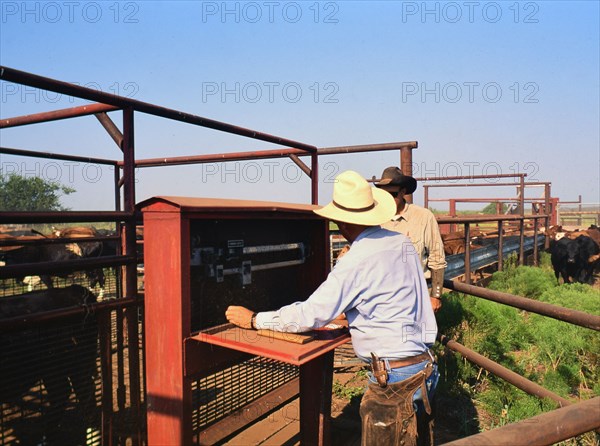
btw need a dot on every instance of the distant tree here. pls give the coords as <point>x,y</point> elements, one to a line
<point>491,208</point>
<point>31,194</point>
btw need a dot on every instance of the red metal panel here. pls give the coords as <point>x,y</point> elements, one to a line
<point>206,205</point>
<point>316,380</point>
<point>174,356</point>
<point>167,322</point>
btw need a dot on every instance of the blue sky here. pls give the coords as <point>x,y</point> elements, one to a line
<point>484,87</point>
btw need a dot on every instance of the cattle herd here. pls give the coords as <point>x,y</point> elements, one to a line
<point>575,255</point>
<point>48,370</point>
<point>64,357</point>
<point>54,251</point>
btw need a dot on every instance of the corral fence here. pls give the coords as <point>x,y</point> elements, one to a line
<point>113,412</point>
<point>75,373</point>
<point>572,419</point>
<point>579,214</point>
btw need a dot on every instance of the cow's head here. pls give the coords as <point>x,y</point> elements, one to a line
<point>572,251</point>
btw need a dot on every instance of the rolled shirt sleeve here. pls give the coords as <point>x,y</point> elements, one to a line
<point>434,244</point>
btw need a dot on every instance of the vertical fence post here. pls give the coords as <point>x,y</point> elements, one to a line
<point>535,243</point>
<point>314,178</point>
<point>547,211</point>
<point>406,166</point>
<point>467,253</point>
<point>130,273</point>
<point>500,245</point>
<point>522,221</point>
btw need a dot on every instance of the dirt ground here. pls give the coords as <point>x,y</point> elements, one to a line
<point>283,426</point>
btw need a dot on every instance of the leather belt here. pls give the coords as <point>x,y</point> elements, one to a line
<point>410,361</point>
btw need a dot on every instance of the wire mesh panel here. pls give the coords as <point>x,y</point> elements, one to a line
<point>249,263</point>
<point>70,379</point>
<point>221,394</point>
<point>106,289</point>
<point>49,385</point>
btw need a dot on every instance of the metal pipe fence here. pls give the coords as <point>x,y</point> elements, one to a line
<point>120,341</point>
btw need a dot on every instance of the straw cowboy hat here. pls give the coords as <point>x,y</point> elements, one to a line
<point>355,201</point>
<point>393,176</point>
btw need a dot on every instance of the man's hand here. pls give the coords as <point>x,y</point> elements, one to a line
<point>240,316</point>
<point>436,304</point>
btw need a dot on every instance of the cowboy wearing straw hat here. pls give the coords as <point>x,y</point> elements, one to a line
<point>379,285</point>
<point>418,224</point>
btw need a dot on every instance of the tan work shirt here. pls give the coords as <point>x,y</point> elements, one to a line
<point>419,224</point>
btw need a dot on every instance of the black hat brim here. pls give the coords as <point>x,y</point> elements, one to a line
<point>407,182</point>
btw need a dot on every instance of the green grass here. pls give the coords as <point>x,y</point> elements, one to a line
<point>561,357</point>
<point>350,390</point>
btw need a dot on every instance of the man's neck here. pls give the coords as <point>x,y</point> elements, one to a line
<point>354,231</point>
<point>401,207</point>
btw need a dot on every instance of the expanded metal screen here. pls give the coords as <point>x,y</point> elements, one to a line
<point>49,379</point>
<point>221,394</point>
<point>59,379</point>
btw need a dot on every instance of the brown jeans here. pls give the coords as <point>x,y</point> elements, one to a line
<point>388,415</point>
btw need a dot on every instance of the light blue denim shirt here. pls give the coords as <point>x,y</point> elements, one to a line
<point>379,285</point>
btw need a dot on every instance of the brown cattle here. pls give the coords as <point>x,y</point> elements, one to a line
<point>455,246</point>
<point>553,231</point>
<point>593,233</point>
<point>19,254</point>
<point>454,242</point>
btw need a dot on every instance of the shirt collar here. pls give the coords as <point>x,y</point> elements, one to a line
<point>367,232</point>
<point>405,213</point>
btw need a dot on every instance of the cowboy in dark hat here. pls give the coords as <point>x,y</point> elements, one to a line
<point>418,224</point>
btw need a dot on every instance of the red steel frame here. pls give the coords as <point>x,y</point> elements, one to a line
<point>450,221</point>
<point>174,354</point>
<point>125,141</point>
<point>126,213</point>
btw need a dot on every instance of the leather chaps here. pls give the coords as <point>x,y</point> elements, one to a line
<point>388,415</point>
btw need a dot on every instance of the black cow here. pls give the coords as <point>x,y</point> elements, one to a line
<point>588,251</point>
<point>42,253</point>
<point>58,252</point>
<point>574,259</point>
<point>61,356</point>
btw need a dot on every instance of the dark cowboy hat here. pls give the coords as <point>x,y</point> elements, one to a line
<point>393,176</point>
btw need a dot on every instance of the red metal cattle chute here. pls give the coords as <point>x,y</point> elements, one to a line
<point>202,255</point>
<point>126,217</point>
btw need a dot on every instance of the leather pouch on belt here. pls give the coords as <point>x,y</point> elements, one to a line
<point>378,370</point>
